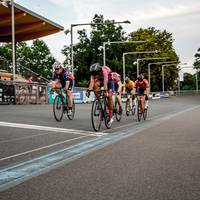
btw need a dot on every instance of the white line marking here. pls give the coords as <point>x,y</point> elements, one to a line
<point>41,148</point>
<point>52,129</point>
<point>23,138</point>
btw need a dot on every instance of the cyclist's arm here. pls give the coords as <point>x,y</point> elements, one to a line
<point>91,85</point>
<point>105,81</point>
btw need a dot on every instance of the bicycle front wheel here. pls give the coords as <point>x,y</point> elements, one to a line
<point>145,114</point>
<point>139,111</point>
<point>71,117</point>
<point>128,107</point>
<point>105,113</point>
<point>118,114</point>
<point>58,108</point>
<point>96,115</point>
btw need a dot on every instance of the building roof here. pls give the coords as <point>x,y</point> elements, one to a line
<point>28,25</point>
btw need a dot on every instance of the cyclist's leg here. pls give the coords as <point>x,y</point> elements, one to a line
<point>96,87</point>
<point>146,101</point>
<point>128,92</point>
<point>68,90</point>
<point>133,100</point>
<point>119,99</point>
<point>110,100</point>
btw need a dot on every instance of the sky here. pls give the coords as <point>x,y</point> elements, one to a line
<point>179,17</point>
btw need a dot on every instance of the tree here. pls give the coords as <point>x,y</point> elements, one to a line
<point>41,59</point>
<point>38,57</point>
<point>189,82</point>
<point>197,59</point>
<point>89,48</point>
<point>157,40</point>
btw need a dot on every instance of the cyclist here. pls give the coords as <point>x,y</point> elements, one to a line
<point>64,78</point>
<point>129,89</point>
<point>101,77</point>
<point>141,87</point>
<point>117,86</point>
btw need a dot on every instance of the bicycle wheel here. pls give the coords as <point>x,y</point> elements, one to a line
<point>118,114</point>
<point>139,111</point>
<point>127,107</point>
<point>58,108</point>
<point>71,117</point>
<point>145,114</point>
<point>105,113</point>
<point>96,115</point>
<point>133,109</point>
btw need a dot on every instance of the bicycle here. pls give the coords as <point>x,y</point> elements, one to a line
<point>116,108</point>
<point>128,107</point>
<point>141,110</point>
<point>60,106</point>
<point>99,110</point>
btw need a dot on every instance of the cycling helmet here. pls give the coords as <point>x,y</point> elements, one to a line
<point>127,79</point>
<point>140,77</point>
<point>95,67</point>
<point>69,68</point>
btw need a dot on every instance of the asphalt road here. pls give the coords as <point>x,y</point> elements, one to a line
<point>155,159</point>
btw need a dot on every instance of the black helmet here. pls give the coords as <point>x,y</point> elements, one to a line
<point>127,79</point>
<point>140,77</point>
<point>95,69</point>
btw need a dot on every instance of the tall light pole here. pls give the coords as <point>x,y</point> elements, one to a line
<point>197,86</point>
<point>163,75</point>
<point>133,53</point>
<point>6,4</point>
<point>117,42</point>
<point>151,58</point>
<point>85,24</point>
<point>156,63</point>
<point>13,37</point>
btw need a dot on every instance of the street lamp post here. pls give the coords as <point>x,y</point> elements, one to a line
<point>117,42</point>
<point>155,63</point>
<point>197,86</point>
<point>85,24</point>
<point>13,37</point>
<point>133,53</point>
<point>163,76</point>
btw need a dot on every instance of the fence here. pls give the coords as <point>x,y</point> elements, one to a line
<point>23,93</point>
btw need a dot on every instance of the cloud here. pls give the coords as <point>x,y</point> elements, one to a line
<point>160,12</point>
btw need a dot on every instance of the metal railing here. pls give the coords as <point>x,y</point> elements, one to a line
<point>23,93</point>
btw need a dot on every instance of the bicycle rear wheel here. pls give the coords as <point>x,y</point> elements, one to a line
<point>96,115</point>
<point>71,117</point>
<point>58,108</point>
<point>118,114</point>
<point>133,110</point>
<point>139,111</point>
<point>127,107</point>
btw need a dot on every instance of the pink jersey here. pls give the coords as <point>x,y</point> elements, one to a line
<point>116,77</point>
<point>104,77</point>
<point>107,72</point>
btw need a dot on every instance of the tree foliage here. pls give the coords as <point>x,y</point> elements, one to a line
<point>36,57</point>
<point>197,59</point>
<point>163,42</point>
<point>89,48</point>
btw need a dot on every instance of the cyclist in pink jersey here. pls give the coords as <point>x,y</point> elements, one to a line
<point>101,78</point>
<point>117,87</point>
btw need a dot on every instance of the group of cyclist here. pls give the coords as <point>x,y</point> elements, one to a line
<point>101,78</point>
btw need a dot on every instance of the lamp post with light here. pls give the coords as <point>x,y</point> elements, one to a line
<point>85,24</point>
<point>134,53</point>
